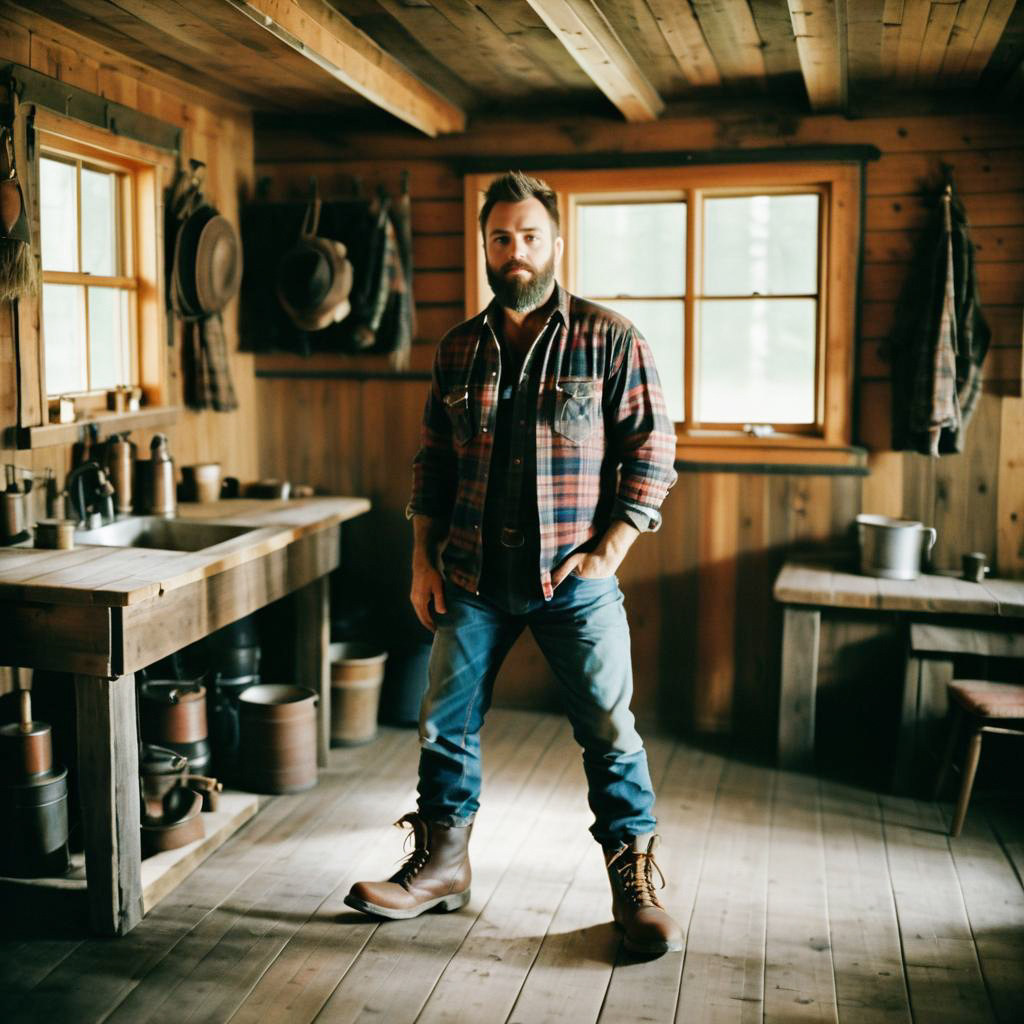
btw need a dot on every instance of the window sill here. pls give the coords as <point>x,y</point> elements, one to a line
<point>738,453</point>
<point>49,434</point>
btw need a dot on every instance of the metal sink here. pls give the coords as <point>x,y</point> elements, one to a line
<point>158,532</point>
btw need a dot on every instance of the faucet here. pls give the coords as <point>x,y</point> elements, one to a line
<point>101,492</point>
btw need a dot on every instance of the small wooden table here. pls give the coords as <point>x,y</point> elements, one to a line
<point>961,617</point>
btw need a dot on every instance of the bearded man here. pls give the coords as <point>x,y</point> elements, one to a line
<point>546,451</point>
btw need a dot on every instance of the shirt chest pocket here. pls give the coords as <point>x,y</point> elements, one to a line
<point>576,406</point>
<point>456,404</point>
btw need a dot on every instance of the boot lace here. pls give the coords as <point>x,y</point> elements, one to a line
<point>635,871</point>
<point>419,857</point>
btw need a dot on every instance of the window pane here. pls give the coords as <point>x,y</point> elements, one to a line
<point>99,222</point>
<point>756,361</point>
<point>661,324</point>
<point>761,245</point>
<point>109,358</point>
<point>631,249</point>
<point>58,222</point>
<point>64,337</point>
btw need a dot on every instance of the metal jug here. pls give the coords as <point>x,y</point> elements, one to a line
<point>892,548</point>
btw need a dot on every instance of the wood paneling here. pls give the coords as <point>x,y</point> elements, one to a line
<point>215,131</point>
<point>706,635</point>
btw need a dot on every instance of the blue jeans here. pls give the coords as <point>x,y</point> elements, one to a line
<point>584,635</point>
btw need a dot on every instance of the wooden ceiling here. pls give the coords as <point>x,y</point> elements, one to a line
<point>435,63</point>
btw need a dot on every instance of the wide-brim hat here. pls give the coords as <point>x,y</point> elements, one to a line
<point>207,262</point>
<point>314,280</point>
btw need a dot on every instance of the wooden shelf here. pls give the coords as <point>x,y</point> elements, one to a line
<point>162,872</point>
<point>49,434</point>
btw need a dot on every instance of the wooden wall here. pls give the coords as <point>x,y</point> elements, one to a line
<point>705,631</point>
<point>217,133</point>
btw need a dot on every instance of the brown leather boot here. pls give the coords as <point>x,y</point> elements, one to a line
<point>636,908</point>
<point>435,874</point>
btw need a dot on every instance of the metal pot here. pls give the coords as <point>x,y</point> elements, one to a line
<point>161,770</point>
<point>224,722</point>
<point>179,825</point>
<point>893,548</point>
<point>173,712</point>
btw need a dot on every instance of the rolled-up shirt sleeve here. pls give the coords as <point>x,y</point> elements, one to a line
<point>641,435</point>
<point>434,469</point>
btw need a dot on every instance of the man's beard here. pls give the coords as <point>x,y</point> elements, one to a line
<point>517,294</point>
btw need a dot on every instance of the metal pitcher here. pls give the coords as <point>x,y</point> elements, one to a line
<point>893,548</point>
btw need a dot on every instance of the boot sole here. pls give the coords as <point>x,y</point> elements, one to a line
<point>443,903</point>
<point>651,950</point>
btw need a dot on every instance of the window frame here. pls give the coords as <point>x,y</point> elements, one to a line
<point>839,253</point>
<point>149,169</point>
<point>62,151</point>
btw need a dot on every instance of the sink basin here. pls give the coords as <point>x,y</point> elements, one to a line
<point>157,532</point>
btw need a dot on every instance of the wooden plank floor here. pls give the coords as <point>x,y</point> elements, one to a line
<point>802,900</point>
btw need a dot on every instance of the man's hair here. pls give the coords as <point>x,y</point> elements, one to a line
<point>514,187</point>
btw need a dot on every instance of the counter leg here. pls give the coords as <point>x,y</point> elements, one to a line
<point>801,630</point>
<point>108,767</point>
<point>312,665</point>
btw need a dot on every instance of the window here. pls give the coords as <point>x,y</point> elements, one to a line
<point>99,320</point>
<point>756,348</point>
<point>632,257</point>
<point>89,280</point>
<point>740,277</point>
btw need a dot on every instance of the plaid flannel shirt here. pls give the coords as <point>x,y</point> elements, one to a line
<point>605,445</point>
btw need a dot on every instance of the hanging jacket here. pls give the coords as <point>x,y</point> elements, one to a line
<point>940,340</point>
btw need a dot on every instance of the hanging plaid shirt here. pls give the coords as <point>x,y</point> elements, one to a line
<point>605,446</point>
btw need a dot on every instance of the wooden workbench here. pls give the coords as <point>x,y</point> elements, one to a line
<point>102,613</point>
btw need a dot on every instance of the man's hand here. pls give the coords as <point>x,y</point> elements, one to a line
<point>427,587</point>
<point>427,582</point>
<point>604,560</point>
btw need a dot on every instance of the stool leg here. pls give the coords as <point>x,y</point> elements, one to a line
<point>967,782</point>
<point>947,758</point>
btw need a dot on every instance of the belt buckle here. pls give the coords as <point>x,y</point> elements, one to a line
<point>511,538</point>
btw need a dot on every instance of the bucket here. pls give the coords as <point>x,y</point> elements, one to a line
<point>278,738</point>
<point>357,670</point>
<point>34,841</point>
<point>892,548</point>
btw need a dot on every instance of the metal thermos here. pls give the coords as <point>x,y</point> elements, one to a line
<point>15,519</point>
<point>121,455</point>
<point>159,493</point>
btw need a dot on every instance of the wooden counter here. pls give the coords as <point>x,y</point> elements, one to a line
<point>103,613</point>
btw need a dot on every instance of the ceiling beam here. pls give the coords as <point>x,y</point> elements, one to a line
<point>732,35</point>
<point>585,33</point>
<point>681,30</point>
<point>989,33</point>
<point>331,42</point>
<point>820,30</point>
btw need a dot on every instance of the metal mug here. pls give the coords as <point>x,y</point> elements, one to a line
<point>974,566</point>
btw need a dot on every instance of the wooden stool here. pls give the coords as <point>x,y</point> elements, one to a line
<point>982,703</point>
